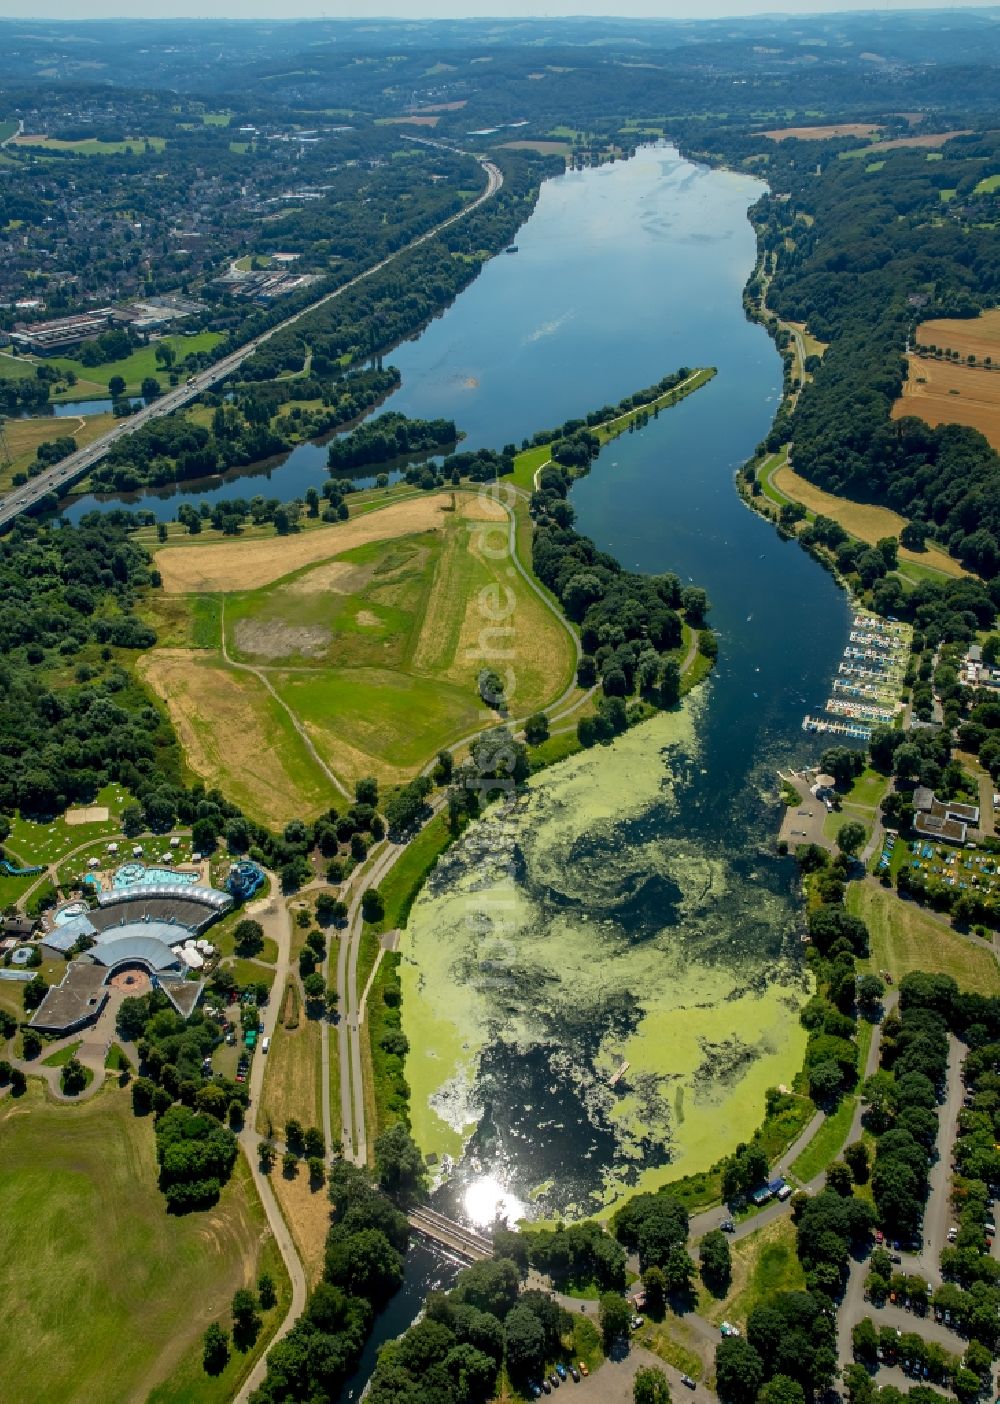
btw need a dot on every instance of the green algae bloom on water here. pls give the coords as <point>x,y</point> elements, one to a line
<point>582,929</point>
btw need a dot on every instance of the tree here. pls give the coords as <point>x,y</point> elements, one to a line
<point>372,904</point>
<point>248,937</point>
<point>290,1164</point>
<point>716,1262</point>
<point>215,1349</point>
<point>267,1294</point>
<point>850,837</point>
<point>246,1321</point>
<point>870,992</point>
<point>536,729</point>
<point>739,1371</point>
<point>398,1161</point>
<point>781,1390</point>
<point>204,835</point>
<point>650,1387</point>
<point>678,1271</point>
<point>150,387</point>
<point>856,1156</point>
<point>839,1178</point>
<point>524,1342</point>
<point>654,1285</point>
<point>366,791</point>
<point>74,1077</point>
<point>491,689</point>
<point>615,1316</point>
<point>31,1045</point>
<point>116,387</point>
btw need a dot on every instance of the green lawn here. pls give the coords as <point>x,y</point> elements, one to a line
<point>48,843</point>
<point>827,1143</point>
<point>133,369</point>
<point>8,126</point>
<point>16,367</point>
<point>988,186</point>
<point>61,1057</point>
<point>116,1291</point>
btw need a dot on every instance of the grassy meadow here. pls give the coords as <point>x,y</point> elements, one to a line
<point>370,642</point>
<point>112,1294</point>
<point>905,937</point>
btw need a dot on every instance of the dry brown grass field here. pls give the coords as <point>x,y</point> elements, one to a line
<point>246,565</point>
<point>863,520</point>
<point>545,148</point>
<point>235,735</point>
<point>838,129</point>
<point>931,141</point>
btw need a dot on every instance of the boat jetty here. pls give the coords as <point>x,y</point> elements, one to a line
<point>869,682</point>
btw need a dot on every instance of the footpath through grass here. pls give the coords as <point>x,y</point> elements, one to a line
<point>112,1292</point>
<point>827,1143</point>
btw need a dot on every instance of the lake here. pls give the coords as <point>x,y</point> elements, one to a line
<point>632,909</point>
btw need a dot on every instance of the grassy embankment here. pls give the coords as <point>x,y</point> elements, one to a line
<point>905,937</point>
<point>528,461</point>
<point>116,1292</point>
<point>863,521</point>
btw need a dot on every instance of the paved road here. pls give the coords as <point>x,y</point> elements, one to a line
<point>275,911</point>
<point>938,1215</point>
<point>77,465</point>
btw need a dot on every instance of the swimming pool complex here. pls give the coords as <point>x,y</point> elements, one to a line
<point>138,875</point>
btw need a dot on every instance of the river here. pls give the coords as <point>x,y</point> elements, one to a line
<point>646,917</point>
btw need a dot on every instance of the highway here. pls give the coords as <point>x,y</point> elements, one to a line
<point>63,474</point>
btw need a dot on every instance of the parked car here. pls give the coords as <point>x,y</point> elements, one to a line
<point>561,1371</point>
<point>536,1391</point>
<point>575,1373</point>
<point>727,1226</point>
<point>584,1368</point>
<point>554,1380</point>
<point>687,1381</point>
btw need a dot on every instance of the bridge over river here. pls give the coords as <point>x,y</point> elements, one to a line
<point>448,1234</point>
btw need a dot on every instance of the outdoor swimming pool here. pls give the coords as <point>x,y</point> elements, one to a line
<point>67,913</point>
<point>138,875</point>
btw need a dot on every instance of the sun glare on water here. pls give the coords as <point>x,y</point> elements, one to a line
<point>487,1200</point>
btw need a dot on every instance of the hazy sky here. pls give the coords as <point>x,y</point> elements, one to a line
<point>452,9</point>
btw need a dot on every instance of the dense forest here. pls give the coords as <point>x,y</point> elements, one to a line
<point>862,256</point>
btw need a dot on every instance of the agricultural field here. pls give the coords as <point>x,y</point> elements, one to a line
<point>949,392</point>
<point>861,519</point>
<point>363,641</point>
<point>864,130</point>
<point>905,937</point>
<point>115,1292</point>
